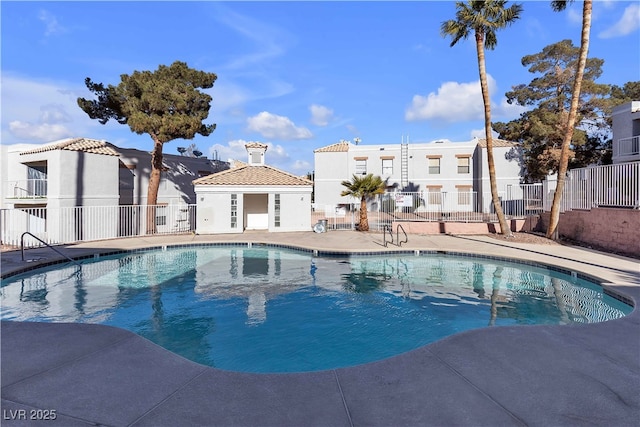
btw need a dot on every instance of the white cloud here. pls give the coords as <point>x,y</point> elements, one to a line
<point>628,23</point>
<point>42,111</point>
<point>480,133</point>
<point>39,131</point>
<point>235,150</point>
<point>320,115</point>
<point>506,111</point>
<point>273,126</point>
<point>52,26</point>
<point>302,165</point>
<point>454,102</point>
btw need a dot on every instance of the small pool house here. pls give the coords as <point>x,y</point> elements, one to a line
<point>253,196</point>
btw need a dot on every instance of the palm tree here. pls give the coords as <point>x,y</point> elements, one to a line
<point>573,112</point>
<point>364,188</point>
<point>484,18</point>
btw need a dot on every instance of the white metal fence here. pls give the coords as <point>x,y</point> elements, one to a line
<point>462,206</point>
<point>86,223</point>
<point>599,186</point>
<point>611,186</point>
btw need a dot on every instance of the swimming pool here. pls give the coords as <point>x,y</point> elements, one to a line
<point>270,309</point>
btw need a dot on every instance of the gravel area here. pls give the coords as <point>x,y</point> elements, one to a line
<point>538,239</point>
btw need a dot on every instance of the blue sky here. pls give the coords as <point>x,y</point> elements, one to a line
<point>295,75</point>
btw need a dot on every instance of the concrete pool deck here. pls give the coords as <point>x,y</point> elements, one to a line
<point>524,375</point>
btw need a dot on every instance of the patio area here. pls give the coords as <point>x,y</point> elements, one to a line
<point>523,375</point>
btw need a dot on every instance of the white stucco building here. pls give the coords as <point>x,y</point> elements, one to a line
<point>253,196</point>
<point>435,167</point>
<point>626,132</point>
<point>88,172</point>
<point>85,189</point>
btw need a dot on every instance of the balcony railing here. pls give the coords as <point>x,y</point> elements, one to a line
<point>627,147</point>
<point>27,189</point>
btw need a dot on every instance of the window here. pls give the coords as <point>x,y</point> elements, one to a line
<point>464,164</point>
<point>161,214</point>
<point>361,166</point>
<point>434,194</point>
<point>234,211</point>
<point>465,195</point>
<point>387,166</point>
<point>434,165</point>
<point>276,209</point>
<point>36,184</point>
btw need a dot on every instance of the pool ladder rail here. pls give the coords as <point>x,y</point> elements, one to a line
<point>389,229</point>
<point>46,244</point>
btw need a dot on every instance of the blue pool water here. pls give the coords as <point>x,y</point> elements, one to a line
<point>276,310</point>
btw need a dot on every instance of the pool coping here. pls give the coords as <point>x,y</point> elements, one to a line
<point>566,373</point>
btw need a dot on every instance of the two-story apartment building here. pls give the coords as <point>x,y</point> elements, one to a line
<point>626,132</point>
<point>88,172</point>
<point>435,167</point>
<point>81,188</point>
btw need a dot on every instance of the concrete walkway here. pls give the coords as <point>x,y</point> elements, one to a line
<point>526,375</point>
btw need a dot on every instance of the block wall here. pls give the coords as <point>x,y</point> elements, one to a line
<point>617,230</point>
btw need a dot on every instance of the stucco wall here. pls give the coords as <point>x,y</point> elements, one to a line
<point>214,208</point>
<point>611,229</point>
<point>214,213</point>
<point>330,170</point>
<point>295,211</point>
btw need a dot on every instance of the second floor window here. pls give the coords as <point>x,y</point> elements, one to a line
<point>434,165</point>
<point>387,166</point>
<point>361,167</point>
<point>464,165</point>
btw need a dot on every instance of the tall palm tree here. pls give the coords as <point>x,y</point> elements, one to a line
<point>484,18</point>
<point>364,188</point>
<point>573,112</point>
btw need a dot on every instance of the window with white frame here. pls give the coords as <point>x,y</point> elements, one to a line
<point>234,211</point>
<point>434,165</point>
<point>464,164</point>
<point>361,166</point>
<point>276,209</point>
<point>434,194</point>
<point>161,214</point>
<point>387,166</point>
<point>465,194</point>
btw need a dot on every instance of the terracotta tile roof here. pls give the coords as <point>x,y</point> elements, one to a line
<point>77,144</point>
<point>252,175</point>
<point>337,147</point>
<point>237,164</point>
<point>482,142</point>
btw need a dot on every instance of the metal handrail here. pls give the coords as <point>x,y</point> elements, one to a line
<point>406,238</point>
<point>384,234</point>
<point>46,244</point>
